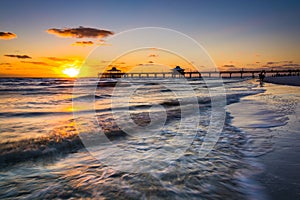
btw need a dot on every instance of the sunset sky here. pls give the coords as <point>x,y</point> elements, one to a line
<point>44,38</point>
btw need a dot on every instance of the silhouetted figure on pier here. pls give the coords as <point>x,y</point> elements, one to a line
<point>262,76</point>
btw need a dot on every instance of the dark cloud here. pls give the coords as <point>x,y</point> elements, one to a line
<point>6,66</point>
<point>121,63</point>
<point>153,55</point>
<point>18,56</point>
<point>4,63</point>
<point>80,32</point>
<point>279,62</point>
<point>83,43</point>
<point>36,63</point>
<point>280,66</point>
<point>250,64</point>
<point>287,61</point>
<point>105,61</point>
<point>7,35</point>
<point>146,64</point>
<point>271,67</point>
<point>150,61</point>
<point>291,65</point>
<point>229,66</point>
<point>59,59</point>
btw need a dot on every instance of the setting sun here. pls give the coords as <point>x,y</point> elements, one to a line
<point>71,72</point>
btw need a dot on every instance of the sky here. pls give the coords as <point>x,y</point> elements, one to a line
<point>48,38</point>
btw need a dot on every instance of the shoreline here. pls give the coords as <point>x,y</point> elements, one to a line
<point>284,80</point>
<point>279,161</point>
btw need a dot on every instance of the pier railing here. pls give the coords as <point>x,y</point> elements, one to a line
<point>195,74</point>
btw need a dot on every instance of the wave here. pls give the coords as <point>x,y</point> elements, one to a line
<point>89,97</point>
<point>60,142</point>
<point>75,86</point>
<point>64,142</point>
<point>170,103</point>
<point>45,93</point>
<point>234,98</point>
<point>36,114</point>
<point>166,90</point>
<point>20,89</point>
<point>30,114</point>
<point>30,149</point>
<point>206,101</point>
<point>63,86</point>
<point>202,101</point>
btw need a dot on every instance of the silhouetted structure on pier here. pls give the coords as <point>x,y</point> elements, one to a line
<point>179,70</point>
<point>112,73</point>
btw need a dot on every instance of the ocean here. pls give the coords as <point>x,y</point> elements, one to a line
<point>147,139</point>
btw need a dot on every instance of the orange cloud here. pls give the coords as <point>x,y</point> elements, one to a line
<point>18,56</point>
<point>102,42</point>
<point>83,43</point>
<point>80,32</point>
<point>56,59</point>
<point>7,35</point>
<point>36,63</point>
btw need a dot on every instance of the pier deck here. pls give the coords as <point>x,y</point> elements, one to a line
<point>195,74</point>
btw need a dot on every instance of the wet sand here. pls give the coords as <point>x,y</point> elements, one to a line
<point>280,177</point>
<point>284,80</point>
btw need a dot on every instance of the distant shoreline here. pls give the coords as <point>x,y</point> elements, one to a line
<point>284,80</point>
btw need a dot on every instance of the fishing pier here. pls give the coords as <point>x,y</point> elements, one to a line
<point>180,73</point>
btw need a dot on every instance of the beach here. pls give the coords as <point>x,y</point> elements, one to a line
<point>284,80</point>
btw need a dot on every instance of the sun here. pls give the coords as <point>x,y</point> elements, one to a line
<point>71,72</point>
